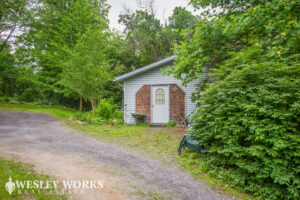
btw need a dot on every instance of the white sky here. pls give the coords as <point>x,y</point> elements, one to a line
<point>165,9</point>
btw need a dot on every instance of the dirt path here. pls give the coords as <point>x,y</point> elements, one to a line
<point>61,152</point>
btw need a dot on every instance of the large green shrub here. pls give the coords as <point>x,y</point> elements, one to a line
<point>106,112</point>
<point>107,109</point>
<point>248,124</point>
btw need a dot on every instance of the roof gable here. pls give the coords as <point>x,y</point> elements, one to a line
<point>145,68</point>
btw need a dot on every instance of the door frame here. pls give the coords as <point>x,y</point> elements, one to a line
<point>151,99</point>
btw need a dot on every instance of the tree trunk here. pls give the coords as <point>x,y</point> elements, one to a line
<point>7,38</point>
<point>93,105</point>
<point>80,104</point>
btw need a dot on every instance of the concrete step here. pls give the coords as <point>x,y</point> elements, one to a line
<point>158,125</point>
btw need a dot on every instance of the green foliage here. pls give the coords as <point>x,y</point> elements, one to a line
<point>5,99</point>
<point>87,73</point>
<point>9,73</point>
<point>171,123</point>
<point>248,124</point>
<point>180,21</point>
<point>272,26</point>
<point>11,13</point>
<point>249,114</point>
<point>56,32</point>
<point>247,121</point>
<point>65,52</point>
<point>106,113</point>
<point>108,110</point>
<point>28,87</point>
<point>145,38</point>
<point>28,95</point>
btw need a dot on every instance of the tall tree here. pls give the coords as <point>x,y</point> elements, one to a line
<point>272,27</point>
<point>55,28</point>
<point>87,71</point>
<point>8,73</point>
<point>144,37</point>
<point>181,20</point>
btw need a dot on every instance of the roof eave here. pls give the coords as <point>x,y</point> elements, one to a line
<point>145,69</point>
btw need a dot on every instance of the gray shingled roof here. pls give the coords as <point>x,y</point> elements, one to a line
<point>146,68</point>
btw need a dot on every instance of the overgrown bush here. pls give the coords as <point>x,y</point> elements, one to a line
<point>248,125</point>
<point>5,99</point>
<point>106,113</point>
<point>108,110</point>
<point>171,123</point>
<point>29,95</point>
<point>11,100</point>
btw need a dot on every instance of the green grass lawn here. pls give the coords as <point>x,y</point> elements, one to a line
<point>59,112</point>
<point>21,171</point>
<point>159,143</point>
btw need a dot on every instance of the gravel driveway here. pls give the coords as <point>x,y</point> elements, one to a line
<point>47,143</point>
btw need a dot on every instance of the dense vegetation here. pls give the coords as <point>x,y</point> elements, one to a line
<point>62,52</point>
<point>248,121</point>
<point>106,113</point>
<point>249,127</point>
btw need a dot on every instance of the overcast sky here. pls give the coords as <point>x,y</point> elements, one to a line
<point>165,8</point>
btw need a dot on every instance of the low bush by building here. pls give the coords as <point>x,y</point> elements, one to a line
<point>106,113</point>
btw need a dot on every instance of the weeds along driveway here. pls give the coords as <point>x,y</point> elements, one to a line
<point>39,135</point>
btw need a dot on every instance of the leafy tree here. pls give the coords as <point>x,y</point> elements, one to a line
<point>181,20</point>
<point>144,37</point>
<point>274,26</point>
<point>54,29</point>
<point>11,15</point>
<point>8,74</point>
<point>87,72</point>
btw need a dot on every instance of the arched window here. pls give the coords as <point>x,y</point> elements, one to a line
<point>160,96</point>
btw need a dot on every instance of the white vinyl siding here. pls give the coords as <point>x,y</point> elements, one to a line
<point>152,77</point>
